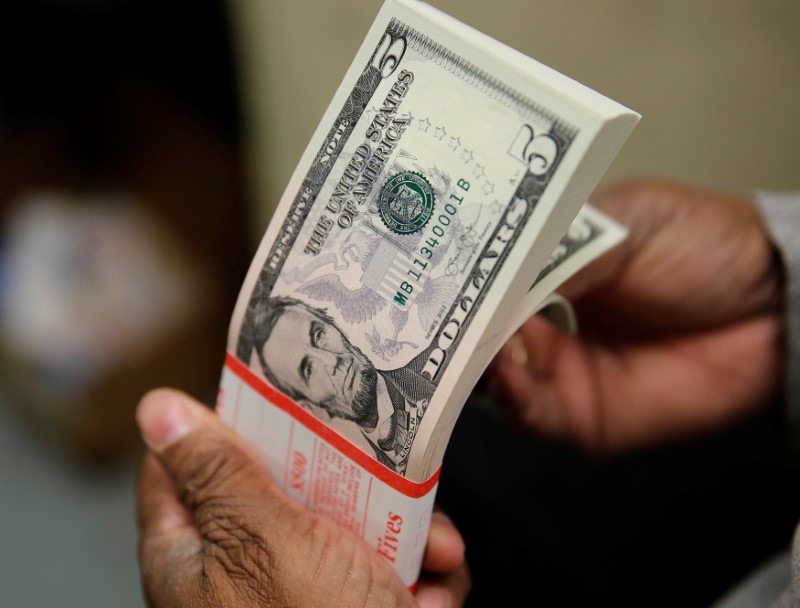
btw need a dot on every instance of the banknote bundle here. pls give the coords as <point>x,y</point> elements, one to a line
<point>439,204</point>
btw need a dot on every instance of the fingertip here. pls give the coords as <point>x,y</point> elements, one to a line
<point>432,597</point>
<point>164,416</point>
<point>446,549</point>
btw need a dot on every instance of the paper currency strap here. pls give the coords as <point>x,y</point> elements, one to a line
<point>324,432</point>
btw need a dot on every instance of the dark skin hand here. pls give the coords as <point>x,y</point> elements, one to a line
<point>680,331</point>
<point>680,327</point>
<point>216,531</point>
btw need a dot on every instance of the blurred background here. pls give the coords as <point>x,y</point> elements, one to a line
<point>143,148</point>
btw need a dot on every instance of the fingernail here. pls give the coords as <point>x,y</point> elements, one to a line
<point>433,598</point>
<point>164,417</point>
<point>519,352</point>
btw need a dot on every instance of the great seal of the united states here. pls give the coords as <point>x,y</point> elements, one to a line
<point>406,202</point>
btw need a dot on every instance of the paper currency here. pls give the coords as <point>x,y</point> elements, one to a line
<point>590,235</point>
<point>444,174</point>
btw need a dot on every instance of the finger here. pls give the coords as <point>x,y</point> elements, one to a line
<point>531,347</point>
<point>159,512</point>
<point>445,581</point>
<point>518,349</point>
<point>445,549</point>
<point>551,394</point>
<point>227,491</point>
<point>256,541</point>
<point>214,474</point>
<point>444,590</point>
<point>638,205</point>
<point>540,340</point>
<point>512,380</point>
<point>169,545</point>
<point>521,393</point>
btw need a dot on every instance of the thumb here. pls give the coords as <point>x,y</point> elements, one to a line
<point>215,475</point>
<point>258,546</point>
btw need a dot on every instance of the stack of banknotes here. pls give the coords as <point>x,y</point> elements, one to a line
<point>439,204</point>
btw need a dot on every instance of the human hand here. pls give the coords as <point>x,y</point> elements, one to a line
<point>679,327</point>
<point>215,530</point>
